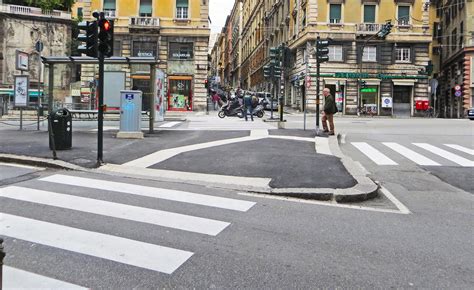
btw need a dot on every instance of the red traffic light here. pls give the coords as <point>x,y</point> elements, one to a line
<point>106,25</point>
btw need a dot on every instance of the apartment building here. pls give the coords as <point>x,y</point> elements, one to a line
<point>175,32</point>
<point>455,47</point>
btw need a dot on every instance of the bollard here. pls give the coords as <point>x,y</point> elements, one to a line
<point>2,255</point>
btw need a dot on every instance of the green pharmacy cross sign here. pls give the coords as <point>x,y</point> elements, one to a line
<point>368,90</point>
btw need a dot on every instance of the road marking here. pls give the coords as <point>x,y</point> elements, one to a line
<point>461,148</point>
<point>403,209</point>
<point>126,251</point>
<point>324,203</point>
<point>446,154</point>
<point>161,193</point>
<point>18,279</point>
<point>322,146</point>
<point>410,154</point>
<point>163,155</point>
<point>116,210</point>
<point>21,166</point>
<point>259,133</point>
<point>169,124</point>
<point>375,155</point>
<point>294,138</point>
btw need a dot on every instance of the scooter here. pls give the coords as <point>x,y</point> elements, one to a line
<point>232,108</point>
<point>259,110</point>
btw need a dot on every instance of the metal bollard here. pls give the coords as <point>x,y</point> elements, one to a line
<point>2,255</point>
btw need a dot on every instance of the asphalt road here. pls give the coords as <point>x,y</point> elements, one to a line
<point>274,244</point>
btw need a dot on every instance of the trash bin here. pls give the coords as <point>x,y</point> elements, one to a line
<point>61,127</point>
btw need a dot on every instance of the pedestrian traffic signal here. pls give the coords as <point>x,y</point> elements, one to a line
<point>89,38</point>
<point>267,71</point>
<point>106,37</point>
<point>274,53</point>
<point>322,51</point>
<point>363,84</point>
<point>385,30</point>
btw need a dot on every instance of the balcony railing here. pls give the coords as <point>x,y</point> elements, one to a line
<point>33,11</point>
<point>110,14</point>
<point>145,22</point>
<point>368,27</point>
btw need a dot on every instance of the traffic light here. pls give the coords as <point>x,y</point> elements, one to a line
<point>106,37</point>
<point>274,53</point>
<point>385,30</point>
<point>267,71</point>
<point>322,51</point>
<point>89,38</point>
<point>277,72</point>
<point>206,83</point>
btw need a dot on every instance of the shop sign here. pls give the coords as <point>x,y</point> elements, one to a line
<point>351,75</point>
<point>368,90</point>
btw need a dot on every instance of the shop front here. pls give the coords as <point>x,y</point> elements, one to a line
<point>180,95</point>
<point>403,98</point>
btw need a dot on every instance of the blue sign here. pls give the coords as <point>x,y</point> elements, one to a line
<point>129,97</point>
<point>457,93</point>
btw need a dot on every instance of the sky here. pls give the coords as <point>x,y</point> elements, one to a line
<point>218,12</point>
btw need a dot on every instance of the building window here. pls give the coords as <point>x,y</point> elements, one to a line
<point>80,14</point>
<point>303,18</point>
<point>335,53</point>
<point>334,13</point>
<point>403,15</point>
<point>454,39</point>
<point>182,7</point>
<point>109,5</point>
<point>370,54</point>
<point>144,48</point>
<point>461,34</point>
<point>181,51</point>
<point>117,48</point>
<point>369,13</point>
<point>403,54</point>
<point>146,8</point>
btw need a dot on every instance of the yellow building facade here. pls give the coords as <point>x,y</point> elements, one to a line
<point>175,32</point>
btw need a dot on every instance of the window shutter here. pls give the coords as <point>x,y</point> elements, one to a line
<point>378,53</point>
<point>335,11</point>
<point>369,13</point>
<point>345,51</point>
<point>412,54</point>
<point>394,53</point>
<point>145,6</point>
<point>109,4</point>
<point>181,3</point>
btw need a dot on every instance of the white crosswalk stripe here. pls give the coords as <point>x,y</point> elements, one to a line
<point>169,124</point>
<point>18,279</point>
<point>168,194</point>
<point>108,246</point>
<point>410,154</point>
<point>374,154</point>
<point>446,154</point>
<point>156,217</point>
<point>461,148</point>
<point>384,157</point>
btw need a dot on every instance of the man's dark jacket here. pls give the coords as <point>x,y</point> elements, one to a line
<point>329,105</point>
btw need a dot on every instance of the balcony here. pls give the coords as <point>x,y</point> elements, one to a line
<point>144,22</point>
<point>368,28</point>
<point>33,11</point>
<point>110,14</point>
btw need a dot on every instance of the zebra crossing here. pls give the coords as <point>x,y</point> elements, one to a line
<point>83,241</point>
<point>382,153</point>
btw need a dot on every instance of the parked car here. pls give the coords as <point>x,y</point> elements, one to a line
<point>267,100</point>
<point>470,114</point>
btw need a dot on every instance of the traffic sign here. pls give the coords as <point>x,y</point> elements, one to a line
<point>39,46</point>
<point>308,82</point>
<point>457,88</point>
<point>457,93</point>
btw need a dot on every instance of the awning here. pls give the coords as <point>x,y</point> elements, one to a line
<point>328,81</point>
<point>404,82</point>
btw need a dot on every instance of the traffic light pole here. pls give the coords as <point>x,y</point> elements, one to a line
<point>318,70</point>
<point>100,118</point>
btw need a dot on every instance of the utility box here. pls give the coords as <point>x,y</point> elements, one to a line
<point>130,115</point>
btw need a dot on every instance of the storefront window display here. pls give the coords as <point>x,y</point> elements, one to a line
<point>180,94</point>
<point>369,98</point>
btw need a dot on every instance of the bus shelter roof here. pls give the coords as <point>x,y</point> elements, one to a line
<point>92,60</point>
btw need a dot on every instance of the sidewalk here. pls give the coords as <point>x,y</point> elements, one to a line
<point>282,162</point>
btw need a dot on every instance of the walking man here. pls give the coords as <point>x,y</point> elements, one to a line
<point>329,110</point>
<point>215,100</point>
<point>248,106</point>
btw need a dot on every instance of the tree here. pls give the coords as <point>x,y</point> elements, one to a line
<point>64,5</point>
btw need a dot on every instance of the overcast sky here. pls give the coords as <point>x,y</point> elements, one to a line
<point>218,12</point>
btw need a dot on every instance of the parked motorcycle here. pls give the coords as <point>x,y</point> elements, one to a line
<point>232,108</point>
<point>259,110</point>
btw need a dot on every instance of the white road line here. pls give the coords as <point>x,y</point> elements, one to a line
<point>375,155</point>
<point>259,133</point>
<point>135,253</point>
<point>116,210</point>
<point>322,146</point>
<point>294,138</point>
<point>446,154</point>
<point>162,155</point>
<point>161,193</point>
<point>324,203</point>
<point>169,124</point>
<point>21,166</point>
<point>18,279</point>
<point>410,154</point>
<point>403,209</point>
<point>461,148</point>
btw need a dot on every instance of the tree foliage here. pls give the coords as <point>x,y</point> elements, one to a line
<point>64,5</point>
